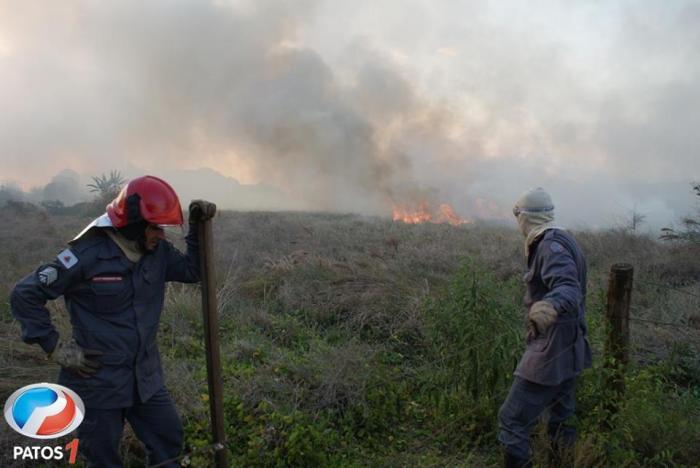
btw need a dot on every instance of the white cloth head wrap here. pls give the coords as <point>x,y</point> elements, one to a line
<point>535,213</point>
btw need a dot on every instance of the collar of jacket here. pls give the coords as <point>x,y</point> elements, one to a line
<point>129,248</point>
<point>537,232</point>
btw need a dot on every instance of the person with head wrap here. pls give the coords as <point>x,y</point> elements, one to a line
<point>557,348</point>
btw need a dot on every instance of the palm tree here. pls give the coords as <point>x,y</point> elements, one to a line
<point>107,186</point>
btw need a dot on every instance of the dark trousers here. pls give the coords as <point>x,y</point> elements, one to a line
<point>155,422</point>
<point>525,404</point>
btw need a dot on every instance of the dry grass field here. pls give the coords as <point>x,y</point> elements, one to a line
<point>354,341</point>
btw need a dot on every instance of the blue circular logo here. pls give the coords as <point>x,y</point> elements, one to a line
<point>44,411</point>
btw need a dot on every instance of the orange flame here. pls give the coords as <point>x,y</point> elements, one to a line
<point>424,214</point>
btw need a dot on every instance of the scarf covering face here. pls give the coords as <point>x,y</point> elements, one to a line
<point>533,225</point>
<point>535,213</point>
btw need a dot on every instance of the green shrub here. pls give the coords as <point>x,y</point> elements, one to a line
<point>264,436</point>
<point>656,422</point>
<point>473,338</point>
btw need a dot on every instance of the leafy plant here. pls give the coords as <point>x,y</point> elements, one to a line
<point>107,186</point>
<point>475,332</point>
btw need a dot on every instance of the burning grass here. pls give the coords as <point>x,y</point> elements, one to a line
<point>424,213</point>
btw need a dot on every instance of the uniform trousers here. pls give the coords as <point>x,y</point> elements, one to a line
<point>523,407</point>
<point>155,422</point>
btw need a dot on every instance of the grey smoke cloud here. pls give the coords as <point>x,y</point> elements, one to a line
<point>354,105</point>
<point>65,187</point>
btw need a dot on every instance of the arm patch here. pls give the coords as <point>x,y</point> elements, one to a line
<point>67,259</point>
<point>48,275</point>
<point>556,247</point>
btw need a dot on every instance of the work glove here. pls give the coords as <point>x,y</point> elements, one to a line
<point>73,357</point>
<point>541,316</point>
<point>201,210</point>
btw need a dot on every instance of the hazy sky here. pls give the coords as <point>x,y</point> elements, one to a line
<point>356,105</point>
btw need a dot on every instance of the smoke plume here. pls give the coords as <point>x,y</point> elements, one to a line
<point>357,107</point>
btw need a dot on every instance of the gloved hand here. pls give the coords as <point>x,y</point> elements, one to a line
<point>73,357</point>
<point>542,315</point>
<point>201,210</point>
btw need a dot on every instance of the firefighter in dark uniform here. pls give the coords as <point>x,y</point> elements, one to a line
<point>557,348</point>
<point>112,277</point>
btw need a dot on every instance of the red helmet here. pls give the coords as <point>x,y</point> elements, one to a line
<point>154,200</point>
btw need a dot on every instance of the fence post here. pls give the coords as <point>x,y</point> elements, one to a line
<point>211,342</point>
<point>617,330</point>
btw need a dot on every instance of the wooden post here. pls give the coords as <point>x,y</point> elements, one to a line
<point>617,330</point>
<point>211,341</point>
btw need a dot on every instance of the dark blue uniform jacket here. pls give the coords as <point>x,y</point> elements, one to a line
<point>557,274</point>
<point>115,307</point>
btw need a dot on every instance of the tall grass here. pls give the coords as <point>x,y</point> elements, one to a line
<point>354,341</point>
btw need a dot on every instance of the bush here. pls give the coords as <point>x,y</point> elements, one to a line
<point>655,422</point>
<point>473,340</point>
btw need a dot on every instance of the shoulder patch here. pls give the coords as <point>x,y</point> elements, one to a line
<point>67,259</point>
<point>48,275</point>
<point>556,247</point>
